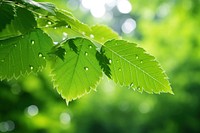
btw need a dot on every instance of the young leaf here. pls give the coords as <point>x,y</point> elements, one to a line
<point>132,66</point>
<point>79,72</point>
<point>6,15</point>
<point>23,54</point>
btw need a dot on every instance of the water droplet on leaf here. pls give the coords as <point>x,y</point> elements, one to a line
<point>136,56</point>
<point>40,55</point>
<point>86,68</point>
<point>32,42</point>
<point>31,67</point>
<point>110,61</point>
<point>55,28</point>
<point>49,23</point>
<point>65,34</point>
<point>120,69</point>
<point>86,54</point>
<point>141,61</point>
<point>91,36</point>
<point>90,46</point>
<point>55,43</point>
<point>83,33</point>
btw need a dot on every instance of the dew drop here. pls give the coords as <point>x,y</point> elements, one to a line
<point>120,69</point>
<point>110,61</point>
<point>40,55</point>
<point>32,42</point>
<point>141,61</point>
<point>67,26</point>
<point>49,23</point>
<point>31,67</point>
<point>86,54</point>
<point>65,34</point>
<point>55,43</point>
<point>136,56</point>
<point>15,45</point>
<point>91,36</point>
<point>90,46</point>
<point>65,53</point>
<point>86,68</point>
<point>44,57</point>
<point>83,33</point>
<point>2,60</point>
<point>117,61</point>
<point>22,36</point>
<point>40,16</point>
<point>55,28</point>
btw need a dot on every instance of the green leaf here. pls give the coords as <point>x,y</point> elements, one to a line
<point>6,15</point>
<point>42,5</point>
<point>24,20</point>
<point>24,54</point>
<point>72,21</point>
<point>102,33</point>
<point>10,31</point>
<point>97,33</point>
<point>132,66</point>
<point>79,72</point>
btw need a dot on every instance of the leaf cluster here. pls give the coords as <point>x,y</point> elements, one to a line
<point>77,62</point>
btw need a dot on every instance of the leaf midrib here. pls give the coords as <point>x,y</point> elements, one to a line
<point>135,66</point>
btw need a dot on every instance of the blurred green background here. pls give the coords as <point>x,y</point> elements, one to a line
<point>169,30</point>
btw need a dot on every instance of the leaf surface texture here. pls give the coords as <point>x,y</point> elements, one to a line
<point>132,66</point>
<point>79,72</point>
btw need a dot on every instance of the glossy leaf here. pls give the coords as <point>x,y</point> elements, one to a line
<point>132,66</point>
<point>79,72</point>
<point>23,54</point>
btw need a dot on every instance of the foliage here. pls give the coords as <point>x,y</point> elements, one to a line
<point>76,62</point>
<point>167,29</point>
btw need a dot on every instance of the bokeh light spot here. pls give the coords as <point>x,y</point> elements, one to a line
<point>124,6</point>
<point>7,126</point>
<point>65,118</point>
<point>32,110</point>
<point>128,26</point>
